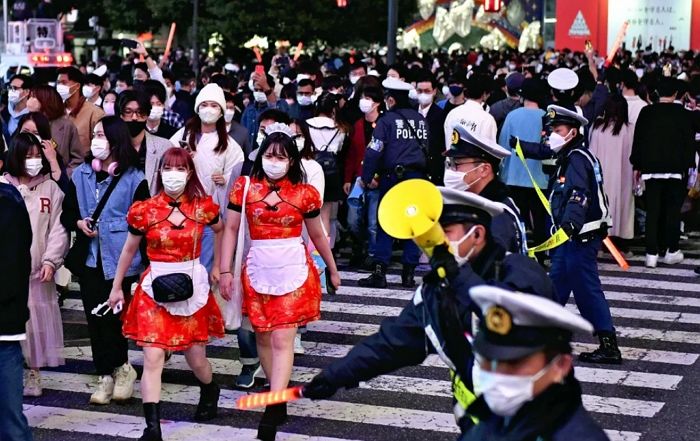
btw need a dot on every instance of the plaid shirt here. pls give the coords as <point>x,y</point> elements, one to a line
<point>172,118</point>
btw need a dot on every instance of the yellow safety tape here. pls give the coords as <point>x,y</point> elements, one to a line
<point>462,394</point>
<point>558,238</point>
<point>540,194</point>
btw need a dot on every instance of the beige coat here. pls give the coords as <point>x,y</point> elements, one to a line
<point>85,121</point>
<point>64,132</point>
<point>43,199</point>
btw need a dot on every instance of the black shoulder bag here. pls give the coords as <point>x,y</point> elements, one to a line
<point>328,160</point>
<point>78,253</point>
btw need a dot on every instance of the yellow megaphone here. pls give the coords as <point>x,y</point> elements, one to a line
<point>411,210</point>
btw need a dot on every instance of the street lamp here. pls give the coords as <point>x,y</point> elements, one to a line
<point>391,31</point>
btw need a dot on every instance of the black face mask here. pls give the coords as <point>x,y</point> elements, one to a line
<point>136,127</point>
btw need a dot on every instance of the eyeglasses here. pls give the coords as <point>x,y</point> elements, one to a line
<point>14,88</point>
<point>451,163</point>
<point>103,308</point>
<point>132,112</point>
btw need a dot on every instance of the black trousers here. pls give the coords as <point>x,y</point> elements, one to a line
<point>109,346</point>
<point>531,211</point>
<point>663,198</point>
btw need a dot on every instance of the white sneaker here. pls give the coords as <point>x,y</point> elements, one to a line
<point>298,348</point>
<point>124,379</point>
<point>104,391</point>
<point>32,383</point>
<point>673,258</point>
<point>652,260</point>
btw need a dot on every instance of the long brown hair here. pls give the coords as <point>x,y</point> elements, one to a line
<point>178,157</point>
<point>194,128</point>
<point>51,103</point>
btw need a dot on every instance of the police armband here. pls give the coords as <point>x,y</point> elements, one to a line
<point>376,145</point>
<point>578,198</point>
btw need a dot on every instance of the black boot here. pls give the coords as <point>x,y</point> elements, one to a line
<point>151,411</point>
<point>408,276</point>
<point>208,406</point>
<point>274,416</point>
<point>375,280</point>
<point>607,353</point>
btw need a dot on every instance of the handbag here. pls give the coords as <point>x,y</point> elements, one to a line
<point>232,310</point>
<point>176,287</point>
<point>78,253</point>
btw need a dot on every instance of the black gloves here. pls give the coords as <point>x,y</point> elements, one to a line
<point>569,229</point>
<point>319,388</point>
<point>442,258</point>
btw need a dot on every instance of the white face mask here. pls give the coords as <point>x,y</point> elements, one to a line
<point>228,115</point>
<point>13,96</point>
<point>64,91</point>
<point>275,170</point>
<point>209,115</point>
<point>108,108</point>
<point>174,182</point>
<point>260,138</point>
<point>99,148</point>
<point>412,94</point>
<point>455,179</point>
<point>33,166</point>
<point>168,92</point>
<point>88,91</point>
<point>425,98</point>
<point>557,142</point>
<point>354,78</point>
<point>446,91</point>
<point>259,97</point>
<point>156,113</point>
<point>454,245</point>
<point>304,100</point>
<point>366,105</point>
<point>505,394</point>
<point>119,89</point>
<point>300,141</point>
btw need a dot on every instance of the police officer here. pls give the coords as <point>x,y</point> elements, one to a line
<point>440,314</point>
<point>472,165</point>
<point>524,370</point>
<point>397,151</point>
<point>580,208</point>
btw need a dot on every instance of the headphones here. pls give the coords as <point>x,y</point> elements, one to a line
<point>111,169</point>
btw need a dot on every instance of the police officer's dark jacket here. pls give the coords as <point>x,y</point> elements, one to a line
<point>555,415</point>
<point>507,228</point>
<point>400,138</point>
<point>406,340</point>
<point>578,201</point>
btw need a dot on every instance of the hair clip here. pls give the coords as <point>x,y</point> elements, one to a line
<point>279,128</point>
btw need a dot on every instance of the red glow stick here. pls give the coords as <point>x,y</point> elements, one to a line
<point>269,398</point>
<point>619,258</point>
<point>258,55</point>
<point>297,54</point>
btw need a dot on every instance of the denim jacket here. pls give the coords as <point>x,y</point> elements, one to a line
<point>111,227</point>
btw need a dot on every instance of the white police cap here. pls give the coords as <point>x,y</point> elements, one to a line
<point>562,79</point>
<point>468,144</point>
<point>464,206</point>
<point>516,324</point>
<point>392,83</point>
<point>562,115</point>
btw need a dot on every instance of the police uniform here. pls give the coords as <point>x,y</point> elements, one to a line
<point>397,151</point>
<point>514,326</point>
<point>508,229</point>
<point>579,207</point>
<point>440,314</point>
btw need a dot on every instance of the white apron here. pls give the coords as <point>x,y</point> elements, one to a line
<point>200,285</point>
<point>277,266</point>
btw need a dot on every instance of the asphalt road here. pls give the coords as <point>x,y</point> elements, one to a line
<point>653,395</point>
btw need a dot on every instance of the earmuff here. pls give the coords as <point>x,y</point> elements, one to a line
<point>111,169</point>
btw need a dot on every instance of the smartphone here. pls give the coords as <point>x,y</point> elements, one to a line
<point>130,44</point>
<point>260,69</point>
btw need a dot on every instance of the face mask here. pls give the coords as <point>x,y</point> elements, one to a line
<point>275,170</point>
<point>33,166</point>
<point>425,98</point>
<point>366,105</point>
<point>456,90</point>
<point>228,115</point>
<point>209,115</point>
<point>446,91</point>
<point>259,97</point>
<point>64,91</point>
<point>300,141</point>
<point>454,245</point>
<point>13,96</point>
<point>505,394</point>
<point>99,148</point>
<point>260,138</point>
<point>412,94</point>
<point>354,79</point>
<point>168,92</point>
<point>557,142</point>
<point>88,91</point>
<point>108,108</point>
<point>455,179</point>
<point>304,100</point>
<point>174,182</point>
<point>136,127</point>
<point>156,113</point>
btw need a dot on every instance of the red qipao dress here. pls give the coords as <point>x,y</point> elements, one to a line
<point>152,324</point>
<point>281,288</point>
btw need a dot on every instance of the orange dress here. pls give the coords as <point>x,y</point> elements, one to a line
<point>283,221</point>
<point>145,321</point>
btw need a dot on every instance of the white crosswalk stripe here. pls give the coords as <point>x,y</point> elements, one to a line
<point>669,313</point>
